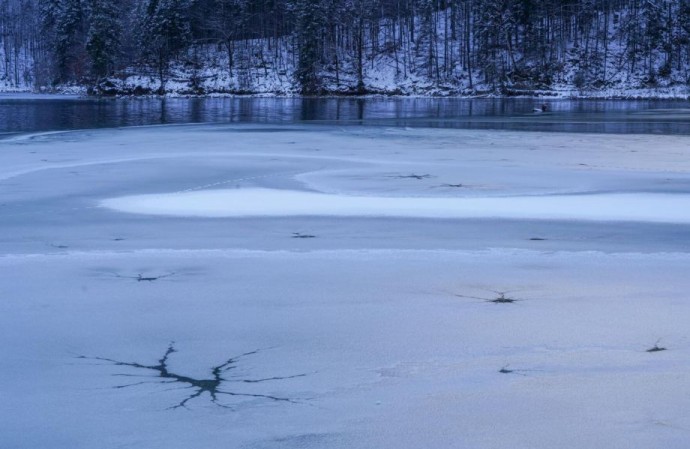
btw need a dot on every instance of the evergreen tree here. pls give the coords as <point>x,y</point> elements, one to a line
<point>166,32</point>
<point>49,12</point>
<point>103,42</point>
<point>69,40</point>
<point>309,26</point>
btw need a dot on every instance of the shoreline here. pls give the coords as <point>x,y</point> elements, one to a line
<point>546,95</point>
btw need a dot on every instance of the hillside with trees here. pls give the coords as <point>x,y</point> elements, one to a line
<point>422,47</point>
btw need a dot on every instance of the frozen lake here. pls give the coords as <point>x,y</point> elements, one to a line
<point>301,285</point>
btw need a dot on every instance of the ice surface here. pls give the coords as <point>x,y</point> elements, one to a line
<point>342,330</point>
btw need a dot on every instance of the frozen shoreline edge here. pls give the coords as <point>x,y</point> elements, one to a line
<point>546,95</point>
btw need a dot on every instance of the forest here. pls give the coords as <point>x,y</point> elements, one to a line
<point>437,47</point>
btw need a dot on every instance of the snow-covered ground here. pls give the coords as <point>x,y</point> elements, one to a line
<point>248,286</point>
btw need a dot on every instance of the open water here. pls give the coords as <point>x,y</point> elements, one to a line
<point>27,114</point>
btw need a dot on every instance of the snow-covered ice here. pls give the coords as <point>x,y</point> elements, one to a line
<point>248,286</point>
<point>661,208</point>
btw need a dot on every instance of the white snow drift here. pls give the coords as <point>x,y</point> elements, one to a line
<point>657,208</point>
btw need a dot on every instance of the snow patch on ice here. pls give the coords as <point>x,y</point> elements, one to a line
<point>657,208</point>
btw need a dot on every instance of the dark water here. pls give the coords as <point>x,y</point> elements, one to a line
<point>24,115</point>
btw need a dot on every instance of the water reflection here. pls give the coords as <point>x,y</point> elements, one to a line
<point>661,116</point>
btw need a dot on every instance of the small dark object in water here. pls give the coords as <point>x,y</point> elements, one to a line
<point>500,300</point>
<point>140,278</point>
<point>537,239</point>
<point>505,370</point>
<point>413,176</point>
<point>453,185</point>
<point>656,348</point>
<point>298,235</point>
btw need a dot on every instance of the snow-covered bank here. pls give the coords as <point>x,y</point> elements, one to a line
<point>142,86</point>
<point>274,86</point>
<point>28,95</point>
<point>345,331</point>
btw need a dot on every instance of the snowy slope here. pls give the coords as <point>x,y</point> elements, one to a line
<point>391,66</point>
